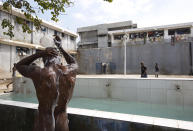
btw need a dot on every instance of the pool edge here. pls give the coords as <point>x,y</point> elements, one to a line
<point>152,121</point>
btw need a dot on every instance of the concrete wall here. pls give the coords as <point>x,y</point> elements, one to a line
<point>39,36</point>
<point>103,41</point>
<point>172,59</point>
<point>19,116</point>
<point>151,91</point>
<point>25,86</point>
<point>19,35</point>
<point>107,26</point>
<point>88,37</point>
<point>7,57</point>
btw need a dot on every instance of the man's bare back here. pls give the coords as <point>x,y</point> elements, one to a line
<point>54,87</point>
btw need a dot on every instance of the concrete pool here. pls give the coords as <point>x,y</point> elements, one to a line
<point>158,98</point>
<point>109,105</point>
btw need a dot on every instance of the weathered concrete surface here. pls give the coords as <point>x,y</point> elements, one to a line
<point>35,36</point>
<point>9,55</point>
<point>105,26</point>
<point>99,33</point>
<point>84,123</point>
<point>20,118</point>
<point>171,59</point>
<point>16,118</point>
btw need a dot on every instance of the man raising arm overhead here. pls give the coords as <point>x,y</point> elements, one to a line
<point>67,82</point>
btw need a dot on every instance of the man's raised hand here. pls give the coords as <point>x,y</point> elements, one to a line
<point>49,51</point>
<point>57,41</point>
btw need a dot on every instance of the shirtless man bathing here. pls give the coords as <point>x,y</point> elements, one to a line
<point>54,86</point>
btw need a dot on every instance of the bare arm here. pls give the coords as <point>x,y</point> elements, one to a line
<point>25,68</point>
<point>73,66</point>
<point>28,60</point>
<point>69,59</point>
<point>31,71</point>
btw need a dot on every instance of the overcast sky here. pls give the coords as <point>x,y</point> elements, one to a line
<point>143,12</point>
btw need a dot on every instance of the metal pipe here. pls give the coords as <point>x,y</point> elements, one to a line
<point>125,58</point>
<point>125,53</point>
<point>190,55</point>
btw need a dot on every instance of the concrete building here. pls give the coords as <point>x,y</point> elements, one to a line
<point>98,37</point>
<point>24,44</point>
<point>169,45</point>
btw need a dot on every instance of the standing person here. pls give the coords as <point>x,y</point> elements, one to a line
<point>156,70</point>
<point>12,79</point>
<point>104,65</point>
<point>54,86</point>
<point>14,70</point>
<point>143,70</point>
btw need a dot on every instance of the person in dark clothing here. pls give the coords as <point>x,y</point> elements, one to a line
<point>12,79</point>
<point>156,70</point>
<point>14,70</point>
<point>143,70</point>
<point>104,65</point>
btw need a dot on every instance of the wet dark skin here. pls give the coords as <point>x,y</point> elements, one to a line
<point>54,86</point>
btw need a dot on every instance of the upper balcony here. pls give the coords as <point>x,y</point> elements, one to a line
<point>168,33</point>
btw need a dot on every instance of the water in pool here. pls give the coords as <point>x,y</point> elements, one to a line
<point>155,110</point>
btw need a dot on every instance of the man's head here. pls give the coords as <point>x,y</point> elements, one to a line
<point>51,56</point>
